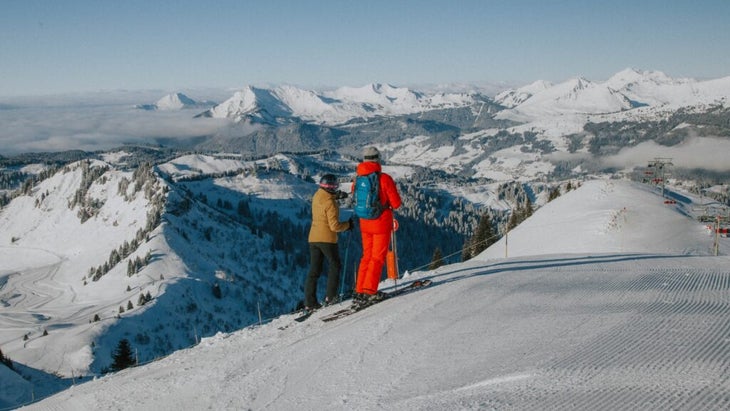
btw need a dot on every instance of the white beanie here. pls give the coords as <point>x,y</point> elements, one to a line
<point>371,154</point>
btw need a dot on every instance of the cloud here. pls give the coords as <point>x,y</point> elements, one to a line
<point>710,153</point>
<point>95,127</point>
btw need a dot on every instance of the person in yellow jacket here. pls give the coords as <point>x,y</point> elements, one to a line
<point>323,241</point>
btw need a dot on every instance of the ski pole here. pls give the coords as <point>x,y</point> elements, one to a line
<point>395,251</point>
<point>344,265</point>
<point>392,257</point>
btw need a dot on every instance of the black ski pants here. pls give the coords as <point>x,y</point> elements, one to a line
<point>317,253</point>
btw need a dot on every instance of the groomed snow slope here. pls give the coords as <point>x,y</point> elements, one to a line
<point>640,328</point>
<point>607,217</point>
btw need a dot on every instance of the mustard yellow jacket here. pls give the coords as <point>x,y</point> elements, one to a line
<point>325,218</point>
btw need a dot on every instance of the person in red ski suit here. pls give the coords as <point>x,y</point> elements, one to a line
<point>375,233</point>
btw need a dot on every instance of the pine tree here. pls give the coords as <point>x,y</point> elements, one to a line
<point>437,260</point>
<point>554,193</point>
<point>244,209</point>
<point>122,357</point>
<point>142,300</point>
<point>217,291</point>
<point>483,237</point>
<point>466,250</point>
<point>527,209</point>
<point>5,360</point>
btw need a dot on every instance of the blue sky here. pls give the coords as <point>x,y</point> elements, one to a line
<point>49,47</point>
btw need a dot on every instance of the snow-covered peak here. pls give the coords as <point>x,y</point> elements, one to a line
<point>175,101</point>
<point>450,100</point>
<point>577,95</point>
<point>258,103</point>
<point>242,102</point>
<point>384,95</point>
<point>333,107</point>
<point>630,76</point>
<point>624,91</point>
<point>514,97</point>
<point>305,104</point>
<point>648,87</point>
<point>385,99</point>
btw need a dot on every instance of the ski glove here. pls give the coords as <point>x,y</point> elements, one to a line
<point>339,195</point>
<point>352,224</point>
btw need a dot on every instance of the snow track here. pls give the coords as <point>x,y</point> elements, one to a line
<point>681,334</point>
<point>648,333</point>
<point>599,332</point>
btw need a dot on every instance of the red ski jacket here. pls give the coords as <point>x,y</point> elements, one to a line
<point>389,197</point>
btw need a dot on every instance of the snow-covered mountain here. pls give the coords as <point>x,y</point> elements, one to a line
<point>101,253</point>
<point>65,248</point>
<point>606,314</point>
<point>624,91</point>
<point>646,87</point>
<point>529,132</point>
<point>269,106</point>
<point>576,96</point>
<point>521,134</point>
<point>514,97</point>
<point>174,102</point>
<point>286,103</point>
<point>546,125</point>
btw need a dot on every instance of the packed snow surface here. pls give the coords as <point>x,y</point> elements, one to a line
<point>610,299</point>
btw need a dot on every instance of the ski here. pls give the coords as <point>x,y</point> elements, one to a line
<point>304,315</point>
<point>415,285</point>
<point>341,313</point>
<point>410,287</point>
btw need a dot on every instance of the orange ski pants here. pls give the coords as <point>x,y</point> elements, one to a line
<point>374,250</point>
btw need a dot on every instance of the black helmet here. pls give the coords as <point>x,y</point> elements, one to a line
<point>329,183</point>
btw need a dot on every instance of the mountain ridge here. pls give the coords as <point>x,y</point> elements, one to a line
<point>625,90</point>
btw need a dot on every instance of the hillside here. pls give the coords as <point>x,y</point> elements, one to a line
<point>96,252</point>
<point>607,218</point>
<point>101,250</point>
<point>580,324</point>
